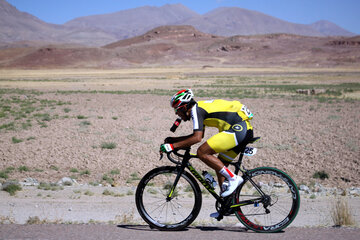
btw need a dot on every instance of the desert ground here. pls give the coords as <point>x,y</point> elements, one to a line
<point>104,128</point>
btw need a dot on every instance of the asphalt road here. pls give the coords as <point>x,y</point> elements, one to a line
<point>139,232</point>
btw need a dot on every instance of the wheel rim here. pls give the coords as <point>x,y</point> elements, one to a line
<point>163,211</point>
<point>277,208</point>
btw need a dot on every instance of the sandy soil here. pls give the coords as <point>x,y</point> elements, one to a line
<point>300,137</point>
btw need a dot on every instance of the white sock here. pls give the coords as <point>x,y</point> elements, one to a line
<point>227,173</point>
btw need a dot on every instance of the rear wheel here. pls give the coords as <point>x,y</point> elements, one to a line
<point>165,213</point>
<point>273,211</point>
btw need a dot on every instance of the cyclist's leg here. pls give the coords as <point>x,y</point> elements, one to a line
<point>242,133</point>
<point>225,142</point>
<point>229,156</point>
<point>226,157</point>
<point>221,142</point>
<point>242,138</point>
<point>218,143</point>
<point>206,154</point>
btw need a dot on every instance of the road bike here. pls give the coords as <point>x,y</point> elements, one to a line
<point>169,197</point>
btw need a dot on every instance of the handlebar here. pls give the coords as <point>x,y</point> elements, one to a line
<point>177,157</point>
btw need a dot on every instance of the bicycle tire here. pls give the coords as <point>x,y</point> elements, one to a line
<point>284,201</point>
<point>156,210</point>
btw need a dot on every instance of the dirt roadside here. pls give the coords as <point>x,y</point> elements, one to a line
<point>74,205</point>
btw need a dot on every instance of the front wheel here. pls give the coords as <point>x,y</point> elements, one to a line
<point>268,201</point>
<point>161,211</point>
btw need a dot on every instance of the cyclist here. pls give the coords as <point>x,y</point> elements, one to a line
<point>232,120</point>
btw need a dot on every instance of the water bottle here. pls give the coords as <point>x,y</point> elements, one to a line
<point>209,179</point>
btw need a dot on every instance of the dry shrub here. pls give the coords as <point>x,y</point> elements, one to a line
<point>37,220</point>
<point>34,220</point>
<point>340,213</point>
<point>126,218</point>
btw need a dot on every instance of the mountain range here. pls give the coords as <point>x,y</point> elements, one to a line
<point>184,45</point>
<point>98,30</point>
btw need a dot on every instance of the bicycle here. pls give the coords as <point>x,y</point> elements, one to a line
<point>169,197</point>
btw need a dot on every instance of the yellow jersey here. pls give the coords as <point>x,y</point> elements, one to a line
<point>219,113</point>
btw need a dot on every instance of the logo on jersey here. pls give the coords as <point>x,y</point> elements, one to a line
<point>237,127</point>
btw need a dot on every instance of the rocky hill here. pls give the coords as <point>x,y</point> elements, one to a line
<point>185,45</point>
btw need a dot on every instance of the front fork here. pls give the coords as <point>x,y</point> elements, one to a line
<point>181,169</point>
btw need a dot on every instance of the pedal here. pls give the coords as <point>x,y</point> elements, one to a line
<point>224,210</point>
<point>230,211</point>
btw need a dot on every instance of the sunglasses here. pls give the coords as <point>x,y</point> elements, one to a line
<point>181,109</point>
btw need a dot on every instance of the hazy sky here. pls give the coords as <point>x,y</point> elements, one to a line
<point>345,13</point>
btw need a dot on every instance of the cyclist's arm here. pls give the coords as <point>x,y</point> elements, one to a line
<point>197,116</point>
<point>187,141</point>
<point>181,138</point>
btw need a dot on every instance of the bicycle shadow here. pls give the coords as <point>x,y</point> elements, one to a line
<point>144,228</point>
<point>221,228</point>
<point>228,229</point>
<point>200,228</point>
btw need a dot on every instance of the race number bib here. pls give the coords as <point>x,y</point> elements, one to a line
<point>250,151</point>
<point>247,112</point>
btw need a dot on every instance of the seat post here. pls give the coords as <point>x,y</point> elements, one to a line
<point>239,161</point>
<point>241,154</point>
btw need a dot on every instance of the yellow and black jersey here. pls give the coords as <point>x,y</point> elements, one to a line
<point>219,113</point>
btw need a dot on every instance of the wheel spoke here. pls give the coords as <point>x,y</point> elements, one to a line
<point>280,209</point>
<point>278,200</point>
<point>172,204</point>
<point>255,211</point>
<point>160,212</point>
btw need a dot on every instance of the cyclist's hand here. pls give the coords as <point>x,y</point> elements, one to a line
<point>169,140</point>
<point>166,148</point>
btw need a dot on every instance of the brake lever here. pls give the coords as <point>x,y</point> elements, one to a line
<point>161,155</point>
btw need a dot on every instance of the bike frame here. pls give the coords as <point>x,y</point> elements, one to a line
<point>226,202</point>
